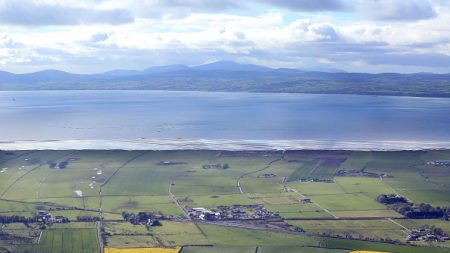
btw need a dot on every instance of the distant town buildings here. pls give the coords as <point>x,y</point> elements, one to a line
<point>47,217</point>
<point>234,212</point>
<point>431,234</point>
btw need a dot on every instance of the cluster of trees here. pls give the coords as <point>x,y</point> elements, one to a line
<point>16,219</point>
<point>421,211</point>
<point>222,166</point>
<point>62,165</point>
<point>435,230</point>
<point>348,235</point>
<point>141,218</point>
<point>391,199</point>
<point>411,210</point>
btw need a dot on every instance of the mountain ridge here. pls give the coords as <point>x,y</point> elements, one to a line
<point>234,77</point>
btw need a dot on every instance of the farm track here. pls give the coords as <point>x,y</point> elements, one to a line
<point>112,175</point>
<point>316,166</point>
<point>28,172</point>
<point>99,236</point>
<point>318,205</point>
<point>277,160</point>
<point>99,225</point>
<point>393,189</point>
<point>174,199</point>
<point>256,171</point>
<point>406,230</point>
<point>172,196</point>
<point>121,167</point>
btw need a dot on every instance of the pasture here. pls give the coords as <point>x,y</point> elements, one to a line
<point>300,186</point>
<point>70,240</point>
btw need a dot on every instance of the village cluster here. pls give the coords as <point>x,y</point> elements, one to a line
<point>234,212</point>
<point>48,218</point>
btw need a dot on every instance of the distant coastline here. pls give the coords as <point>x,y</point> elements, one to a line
<point>235,77</point>
<point>227,145</point>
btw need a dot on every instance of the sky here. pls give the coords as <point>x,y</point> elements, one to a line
<point>91,36</point>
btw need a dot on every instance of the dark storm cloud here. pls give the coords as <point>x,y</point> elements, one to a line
<point>27,13</point>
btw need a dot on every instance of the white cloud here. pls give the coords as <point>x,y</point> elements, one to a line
<point>35,13</point>
<point>260,35</point>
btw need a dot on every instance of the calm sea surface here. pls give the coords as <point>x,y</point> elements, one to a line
<point>105,115</point>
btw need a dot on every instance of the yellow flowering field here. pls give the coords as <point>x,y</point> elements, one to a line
<point>142,250</point>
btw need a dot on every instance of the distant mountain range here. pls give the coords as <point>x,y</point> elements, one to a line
<point>231,76</point>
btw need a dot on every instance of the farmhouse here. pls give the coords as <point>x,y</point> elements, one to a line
<point>60,219</point>
<point>43,216</point>
<point>268,175</point>
<point>316,180</point>
<point>305,201</point>
<point>47,217</point>
<point>285,189</point>
<point>203,214</point>
<point>427,234</point>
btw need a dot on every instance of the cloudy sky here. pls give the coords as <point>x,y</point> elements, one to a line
<point>86,36</point>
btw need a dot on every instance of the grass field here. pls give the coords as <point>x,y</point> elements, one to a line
<point>358,229</point>
<point>170,234</point>
<point>142,250</point>
<point>139,181</point>
<point>259,249</point>
<point>70,240</point>
<point>218,249</point>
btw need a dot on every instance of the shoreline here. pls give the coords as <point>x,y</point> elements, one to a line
<point>249,92</point>
<point>222,144</point>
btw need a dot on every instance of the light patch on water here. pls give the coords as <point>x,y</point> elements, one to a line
<point>231,145</point>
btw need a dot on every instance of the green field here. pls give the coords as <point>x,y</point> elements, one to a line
<point>70,240</point>
<point>259,249</point>
<point>140,181</point>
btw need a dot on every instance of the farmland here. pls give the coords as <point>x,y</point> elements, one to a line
<point>68,239</point>
<point>293,201</point>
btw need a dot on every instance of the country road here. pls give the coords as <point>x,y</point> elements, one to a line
<point>171,183</point>
<point>256,171</point>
